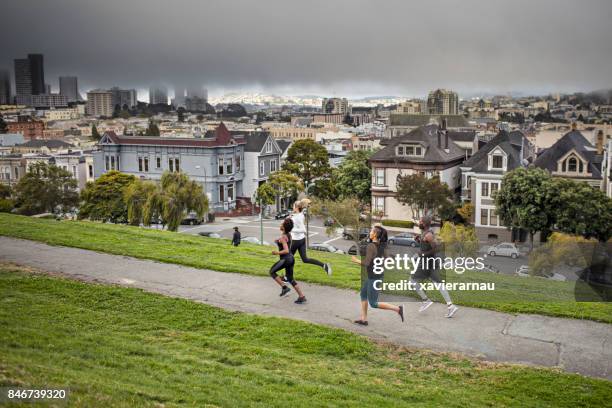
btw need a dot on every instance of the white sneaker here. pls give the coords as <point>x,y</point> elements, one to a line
<point>452,309</point>
<point>424,305</point>
<point>328,269</point>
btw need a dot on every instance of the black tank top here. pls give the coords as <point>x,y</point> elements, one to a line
<point>280,247</point>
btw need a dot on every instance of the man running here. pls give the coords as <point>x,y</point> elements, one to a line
<point>298,236</point>
<point>427,267</point>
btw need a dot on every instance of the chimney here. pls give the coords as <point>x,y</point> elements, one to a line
<point>599,142</point>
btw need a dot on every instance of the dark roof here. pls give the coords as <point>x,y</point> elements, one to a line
<point>283,144</point>
<point>409,119</point>
<point>51,143</point>
<point>465,136</point>
<point>217,138</point>
<point>255,141</point>
<point>427,136</point>
<point>511,143</point>
<point>571,140</point>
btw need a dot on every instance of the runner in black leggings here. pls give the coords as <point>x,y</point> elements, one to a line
<point>286,262</point>
<point>298,235</point>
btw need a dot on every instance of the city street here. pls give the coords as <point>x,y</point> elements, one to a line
<point>250,227</point>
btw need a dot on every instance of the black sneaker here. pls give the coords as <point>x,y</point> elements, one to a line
<point>328,269</point>
<point>300,300</point>
<point>284,291</point>
<point>361,322</point>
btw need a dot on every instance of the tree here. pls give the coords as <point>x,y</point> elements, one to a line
<point>200,117</point>
<point>180,113</point>
<point>103,199</point>
<point>3,126</point>
<point>324,187</point>
<point>135,196</point>
<point>423,195</point>
<point>46,188</point>
<point>459,240</point>
<point>5,191</point>
<point>173,198</point>
<point>466,211</point>
<point>561,250</point>
<point>345,212</point>
<point>94,132</point>
<point>308,160</point>
<point>284,185</point>
<point>581,209</point>
<point>354,176</point>
<point>526,200</point>
<point>152,129</point>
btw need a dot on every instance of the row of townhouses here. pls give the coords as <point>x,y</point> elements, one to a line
<point>473,168</point>
<point>229,165</point>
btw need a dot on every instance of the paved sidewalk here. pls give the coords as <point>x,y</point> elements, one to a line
<point>574,345</point>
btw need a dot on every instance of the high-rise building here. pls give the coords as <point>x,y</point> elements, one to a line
<point>197,92</point>
<point>335,105</point>
<point>443,102</point>
<point>123,97</point>
<point>69,88</point>
<point>179,96</point>
<point>158,94</point>
<point>5,87</point>
<point>100,103</point>
<point>29,76</point>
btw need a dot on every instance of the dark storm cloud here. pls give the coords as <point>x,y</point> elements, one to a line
<point>356,47</point>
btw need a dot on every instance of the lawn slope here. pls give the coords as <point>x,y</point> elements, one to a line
<point>114,346</point>
<point>513,294</point>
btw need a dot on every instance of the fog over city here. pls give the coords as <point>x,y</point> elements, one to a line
<point>349,48</point>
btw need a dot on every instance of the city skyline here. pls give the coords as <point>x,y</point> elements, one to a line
<point>383,48</point>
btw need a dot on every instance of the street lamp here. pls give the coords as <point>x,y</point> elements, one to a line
<point>198,167</point>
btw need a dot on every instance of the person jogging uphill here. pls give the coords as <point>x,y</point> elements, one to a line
<point>298,235</point>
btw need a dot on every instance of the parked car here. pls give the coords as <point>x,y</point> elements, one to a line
<point>281,215</point>
<point>254,240</point>
<point>349,234</point>
<point>191,219</point>
<point>404,238</point>
<point>353,249</point>
<point>522,270</point>
<point>325,248</point>
<point>504,249</point>
<point>209,234</point>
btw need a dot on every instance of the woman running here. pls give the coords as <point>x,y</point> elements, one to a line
<point>369,293</point>
<point>298,235</point>
<point>286,262</point>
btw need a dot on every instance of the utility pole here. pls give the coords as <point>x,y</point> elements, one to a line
<point>260,222</point>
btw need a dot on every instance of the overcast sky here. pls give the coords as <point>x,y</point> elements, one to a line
<point>325,47</point>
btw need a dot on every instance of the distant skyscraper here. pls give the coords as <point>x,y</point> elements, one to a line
<point>69,88</point>
<point>158,94</point>
<point>335,105</point>
<point>197,92</point>
<point>123,97</point>
<point>5,87</point>
<point>100,103</point>
<point>443,102</point>
<point>29,75</point>
<point>179,96</point>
